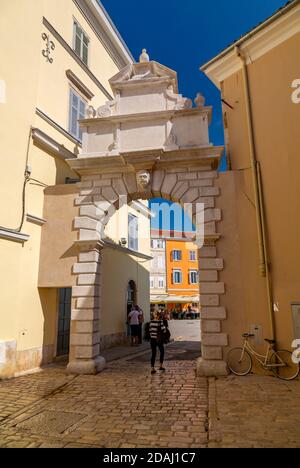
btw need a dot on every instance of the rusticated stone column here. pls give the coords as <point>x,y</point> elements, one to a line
<point>211,289</point>
<point>85,330</point>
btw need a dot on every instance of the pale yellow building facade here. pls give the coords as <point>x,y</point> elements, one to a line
<point>55,68</point>
<point>259,80</point>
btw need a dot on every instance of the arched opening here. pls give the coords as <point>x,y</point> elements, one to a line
<point>131,296</point>
<point>174,269</point>
<point>166,153</point>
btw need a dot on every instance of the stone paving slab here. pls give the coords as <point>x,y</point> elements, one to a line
<point>124,407</point>
<point>254,411</point>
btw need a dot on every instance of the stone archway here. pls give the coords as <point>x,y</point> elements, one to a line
<point>149,142</point>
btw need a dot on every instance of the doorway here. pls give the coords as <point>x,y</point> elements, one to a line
<point>64,321</point>
<point>131,296</point>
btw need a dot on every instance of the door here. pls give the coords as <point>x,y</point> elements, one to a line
<point>64,321</point>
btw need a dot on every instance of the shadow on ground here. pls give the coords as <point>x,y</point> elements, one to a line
<point>177,351</point>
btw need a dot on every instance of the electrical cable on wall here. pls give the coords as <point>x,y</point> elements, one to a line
<point>27,179</point>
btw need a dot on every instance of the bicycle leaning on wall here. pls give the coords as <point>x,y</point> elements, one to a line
<point>240,360</point>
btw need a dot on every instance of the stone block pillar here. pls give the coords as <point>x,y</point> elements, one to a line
<point>211,290</point>
<point>85,331</point>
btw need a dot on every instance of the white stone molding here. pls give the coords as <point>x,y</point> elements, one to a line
<point>20,237</point>
<point>50,145</point>
<point>35,219</point>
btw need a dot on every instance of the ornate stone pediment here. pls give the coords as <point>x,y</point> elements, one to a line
<point>144,72</point>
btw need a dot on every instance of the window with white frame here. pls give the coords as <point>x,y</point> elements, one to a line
<point>193,255</point>
<point>176,255</point>
<point>177,276</point>
<point>151,283</point>
<point>157,244</point>
<point>193,276</point>
<point>133,231</point>
<point>81,43</point>
<point>76,112</point>
<point>160,244</point>
<point>161,283</point>
<point>160,262</point>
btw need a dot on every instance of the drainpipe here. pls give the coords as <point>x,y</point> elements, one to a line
<point>266,253</point>
<point>258,195</point>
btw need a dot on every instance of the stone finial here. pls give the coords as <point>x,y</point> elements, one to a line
<point>199,100</point>
<point>144,57</point>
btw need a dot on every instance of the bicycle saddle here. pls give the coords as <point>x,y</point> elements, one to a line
<point>247,335</point>
<point>270,341</point>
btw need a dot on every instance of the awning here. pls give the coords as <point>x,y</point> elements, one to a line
<point>167,299</point>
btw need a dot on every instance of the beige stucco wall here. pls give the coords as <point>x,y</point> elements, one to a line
<point>58,255</point>
<point>115,283</point>
<point>31,82</point>
<point>277,141</point>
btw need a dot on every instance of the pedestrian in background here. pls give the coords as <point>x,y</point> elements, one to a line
<point>157,337</point>
<point>133,319</point>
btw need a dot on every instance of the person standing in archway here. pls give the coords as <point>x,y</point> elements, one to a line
<point>133,318</point>
<point>157,332</point>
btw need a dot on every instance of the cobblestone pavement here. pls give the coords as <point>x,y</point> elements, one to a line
<point>254,411</point>
<point>126,407</point>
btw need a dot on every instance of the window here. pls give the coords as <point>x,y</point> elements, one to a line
<point>176,255</point>
<point>160,262</point>
<point>81,43</point>
<point>161,283</point>
<point>133,232</point>
<point>157,244</point>
<point>177,276</point>
<point>151,283</point>
<point>193,256</point>
<point>76,112</point>
<point>193,277</point>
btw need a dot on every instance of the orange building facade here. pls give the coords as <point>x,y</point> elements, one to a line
<point>181,275</point>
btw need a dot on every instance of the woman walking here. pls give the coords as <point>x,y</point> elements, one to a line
<point>157,331</point>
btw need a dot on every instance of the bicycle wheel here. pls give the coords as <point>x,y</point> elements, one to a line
<point>287,372</point>
<point>239,361</point>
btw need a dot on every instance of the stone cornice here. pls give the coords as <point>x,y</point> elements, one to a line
<point>211,239</point>
<point>113,245</point>
<point>130,76</point>
<point>57,127</point>
<point>148,159</point>
<point>52,146</point>
<point>79,84</point>
<point>35,219</point>
<point>279,28</point>
<point>158,115</point>
<point>14,236</point>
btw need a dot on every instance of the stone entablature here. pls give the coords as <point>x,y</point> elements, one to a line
<point>147,113</point>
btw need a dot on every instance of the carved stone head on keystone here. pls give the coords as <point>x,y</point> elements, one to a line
<point>143,179</point>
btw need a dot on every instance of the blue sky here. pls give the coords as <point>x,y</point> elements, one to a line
<point>184,34</point>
